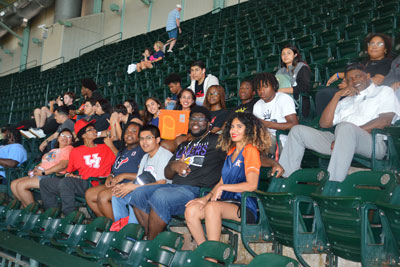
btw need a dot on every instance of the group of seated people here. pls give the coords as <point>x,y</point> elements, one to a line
<point>148,180</point>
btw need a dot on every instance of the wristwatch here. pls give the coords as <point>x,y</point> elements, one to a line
<point>43,173</point>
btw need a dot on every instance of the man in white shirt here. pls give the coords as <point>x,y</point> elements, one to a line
<point>276,110</point>
<point>365,107</point>
<point>200,81</point>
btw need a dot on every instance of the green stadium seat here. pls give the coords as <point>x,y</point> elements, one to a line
<point>386,25</point>
<point>23,228</point>
<point>218,251</point>
<point>342,210</point>
<point>160,250</point>
<point>356,31</point>
<point>273,260</point>
<point>130,231</point>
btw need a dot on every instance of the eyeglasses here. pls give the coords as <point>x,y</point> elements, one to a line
<point>213,93</point>
<point>377,44</point>
<point>67,136</point>
<point>147,138</point>
<point>198,119</point>
<point>90,129</point>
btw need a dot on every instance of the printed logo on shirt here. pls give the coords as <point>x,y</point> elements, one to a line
<point>51,156</point>
<point>243,109</point>
<point>237,163</point>
<point>93,161</point>
<point>194,153</point>
<point>119,162</point>
<point>267,115</point>
<point>133,153</point>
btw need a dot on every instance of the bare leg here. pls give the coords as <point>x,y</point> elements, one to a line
<point>193,216</point>
<point>173,42</point>
<point>14,185</point>
<point>104,203</point>
<point>156,225</point>
<point>142,217</point>
<point>146,65</point>
<point>91,198</point>
<point>36,115</point>
<point>138,67</point>
<point>215,211</point>
<point>23,190</point>
<point>43,116</point>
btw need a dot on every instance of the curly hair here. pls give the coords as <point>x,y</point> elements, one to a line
<point>221,92</point>
<point>254,133</point>
<point>266,78</point>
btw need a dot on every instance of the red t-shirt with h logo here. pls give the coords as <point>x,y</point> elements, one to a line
<point>91,161</point>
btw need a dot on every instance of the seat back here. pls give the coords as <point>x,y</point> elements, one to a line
<point>342,212</point>
<point>94,231</point>
<point>221,252</point>
<point>273,260</point>
<point>22,216</point>
<point>36,219</point>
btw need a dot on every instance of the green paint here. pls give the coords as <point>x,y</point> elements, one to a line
<point>121,28</point>
<point>10,31</point>
<point>150,14</point>
<point>183,9</point>
<point>97,5</point>
<point>25,46</point>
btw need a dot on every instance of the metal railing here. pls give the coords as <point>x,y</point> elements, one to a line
<point>103,41</point>
<point>26,67</point>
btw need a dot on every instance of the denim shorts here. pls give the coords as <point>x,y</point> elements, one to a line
<point>173,33</point>
<point>165,199</point>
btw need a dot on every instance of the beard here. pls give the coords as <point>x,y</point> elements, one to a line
<point>200,133</point>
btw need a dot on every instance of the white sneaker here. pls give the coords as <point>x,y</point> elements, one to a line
<point>170,51</point>
<point>38,132</point>
<point>27,134</point>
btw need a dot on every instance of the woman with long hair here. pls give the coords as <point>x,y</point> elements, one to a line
<point>186,99</point>
<point>56,161</point>
<point>215,103</point>
<point>152,110</point>
<point>149,60</point>
<point>243,138</point>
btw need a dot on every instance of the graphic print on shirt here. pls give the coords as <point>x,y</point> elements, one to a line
<point>237,163</point>
<point>267,115</point>
<point>193,153</point>
<point>119,162</point>
<point>93,161</point>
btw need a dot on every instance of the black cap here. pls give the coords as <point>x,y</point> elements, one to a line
<point>200,109</point>
<point>355,66</point>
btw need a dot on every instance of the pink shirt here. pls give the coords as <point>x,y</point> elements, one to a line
<point>55,156</point>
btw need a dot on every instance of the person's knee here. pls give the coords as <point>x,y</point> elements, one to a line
<point>211,209</point>
<point>91,195</point>
<point>192,212</point>
<point>36,111</point>
<point>66,184</point>
<point>296,131</point>
<point>346,129</point>
<point>104,197</point>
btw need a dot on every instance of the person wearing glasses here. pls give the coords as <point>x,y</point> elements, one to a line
<point>379,47</point>
<point>53,162</point>
<point>152,165</point>
<point>89,160</point>
<point>215,103</point>
<point>196,163</point>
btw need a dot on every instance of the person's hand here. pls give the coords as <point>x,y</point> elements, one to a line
<point>117,179</point>
<point>346,92</point>
<point>277,169</point>
<point>343,84</point>
<point>332,79</point>
<point>332,145</point>
<point>73,175</point>
<point>108,141</point>
<point>108,181</point>
<point>202,201</point>
<point>52,102</point>
<point>180,30</point>
<point>43,145</point>
<point>181,167</point>
<point>167,100</point>
<point>217,193</point>
<point>395,85</point>
<point>36,171</point>
<point>121,190</point>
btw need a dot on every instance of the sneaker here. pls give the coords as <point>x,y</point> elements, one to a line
<point>170,51</point>
<point>27,134</point>
<point>38,132</point>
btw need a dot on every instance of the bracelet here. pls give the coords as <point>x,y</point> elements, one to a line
<point>337,75</point>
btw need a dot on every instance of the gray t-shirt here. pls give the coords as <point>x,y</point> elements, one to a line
<point>156,164</point>
<point>69,124</point>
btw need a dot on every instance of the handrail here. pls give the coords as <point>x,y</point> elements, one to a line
<point>51,61</point>
<point>26,64</point>
<point>101,41</point>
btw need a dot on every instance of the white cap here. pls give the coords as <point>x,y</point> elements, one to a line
<point>178,6</point>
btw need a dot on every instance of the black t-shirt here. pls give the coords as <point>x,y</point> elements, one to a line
<point>199,89</point>
<point>218,117</point>
<point>96,95</point>
<point>381,67</point>
<point>71,107</point>
<point>101,122</point>
<point>248,107</point>
<point>205,161</point>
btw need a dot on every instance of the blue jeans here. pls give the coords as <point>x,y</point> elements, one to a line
<point>165,199</point>
<point>120,209</point>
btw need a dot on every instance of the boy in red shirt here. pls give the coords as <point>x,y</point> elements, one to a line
<point>90,160</point>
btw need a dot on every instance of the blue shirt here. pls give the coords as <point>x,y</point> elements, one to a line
<point>171,21</point>
<point>128,161</point>
<point>15,152</point>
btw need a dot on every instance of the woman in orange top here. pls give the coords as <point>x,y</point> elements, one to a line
<point>243,138</point>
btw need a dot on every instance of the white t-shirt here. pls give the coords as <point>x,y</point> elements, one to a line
<point>156,164</point>
<point>282,105</point>
<point>366,106</point>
